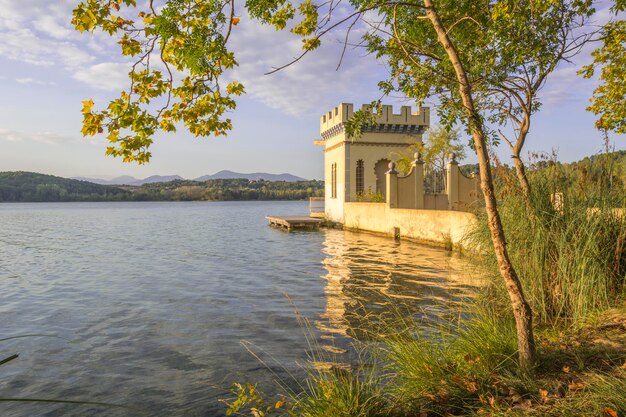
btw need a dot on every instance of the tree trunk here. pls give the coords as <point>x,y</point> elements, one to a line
<point>521,309</point>
<point>520,170</point>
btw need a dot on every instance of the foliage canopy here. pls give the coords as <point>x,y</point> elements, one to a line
<point>182,57</point>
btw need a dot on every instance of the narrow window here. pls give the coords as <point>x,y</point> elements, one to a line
<point>360,180</point>
<point>333,183</point>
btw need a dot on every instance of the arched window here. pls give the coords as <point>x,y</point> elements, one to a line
<point>380,169</point>
<point>360,176</point>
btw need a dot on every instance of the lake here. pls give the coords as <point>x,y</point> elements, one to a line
<point>157,306</point>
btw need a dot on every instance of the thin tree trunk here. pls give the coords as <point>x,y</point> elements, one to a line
<point>520,169</point>
<point>521,309</point>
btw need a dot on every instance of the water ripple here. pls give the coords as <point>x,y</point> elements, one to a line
<point>153,300</point>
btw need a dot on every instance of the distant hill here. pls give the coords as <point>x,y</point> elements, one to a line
<point>31,186</point>
<point>255,176</point>
<point>225,174</point>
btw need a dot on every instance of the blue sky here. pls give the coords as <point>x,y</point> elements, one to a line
<point>47,69</point>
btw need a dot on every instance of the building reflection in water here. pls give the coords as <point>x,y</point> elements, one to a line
<point>373,279</point>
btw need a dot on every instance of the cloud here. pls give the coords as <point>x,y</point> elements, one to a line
<point>108,76</point>
<point>28,80</point>
<point>39,33</point>
<point>309,84</point>
<point>50,26</point>
<point>25,45</point>
<point>47,137</point>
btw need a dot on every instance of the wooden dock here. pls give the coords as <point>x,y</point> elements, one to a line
<point>294,222</point>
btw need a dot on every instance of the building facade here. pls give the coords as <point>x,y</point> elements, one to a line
<point>355,168</point>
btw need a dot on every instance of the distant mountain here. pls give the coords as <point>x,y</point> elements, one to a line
<point>222,175</point>
<point>128,180</point>
<point>255,176</point>
<point>158,178</point>
<point>123,180</point>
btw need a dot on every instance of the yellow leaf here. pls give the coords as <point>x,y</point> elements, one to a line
<point>87,105</point>
<point>471,386</point>
<point>576,386</point>
<point>609,412</point>
<point>279,404</point>
<point>235,21</point>
<point>430,396</point>
<point>471,359</point>
<point>566,369</point>
<point>544,395</point>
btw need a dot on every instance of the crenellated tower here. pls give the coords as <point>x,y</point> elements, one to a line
<point>357,167</point>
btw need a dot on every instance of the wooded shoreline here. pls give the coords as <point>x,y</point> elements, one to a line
<point>33,187</point>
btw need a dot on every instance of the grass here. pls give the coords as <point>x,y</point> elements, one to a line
<point>472,371</point>
<point>342,393</point>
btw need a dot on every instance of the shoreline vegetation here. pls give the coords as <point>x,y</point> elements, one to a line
<point>34,187</point>
<point>571,259</point>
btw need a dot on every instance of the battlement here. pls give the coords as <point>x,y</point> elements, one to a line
<point>336,117</point>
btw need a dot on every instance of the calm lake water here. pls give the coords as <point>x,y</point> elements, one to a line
<point>152,305</point>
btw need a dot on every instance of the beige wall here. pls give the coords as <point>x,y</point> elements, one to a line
<point>469,193</point>
<point>465,191</point>
<point>370,155</point>
<point>407,189</point>
<point>436,201</point>
<point>424,225</point>
<point>333,207</point>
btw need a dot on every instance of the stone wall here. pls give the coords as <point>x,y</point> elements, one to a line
<point>436,226</point>
<point>462,193</point>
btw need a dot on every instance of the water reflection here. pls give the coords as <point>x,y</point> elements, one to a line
<point>371,280</point>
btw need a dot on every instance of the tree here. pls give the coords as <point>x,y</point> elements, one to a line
<point>451,50</point>
<point>609,98</point>
<point>536,37</point>
<point>441,143</point>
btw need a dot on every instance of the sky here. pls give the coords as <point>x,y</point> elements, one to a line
<point>47,69</point>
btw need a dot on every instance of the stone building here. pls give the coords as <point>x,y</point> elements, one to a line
<point>358,166</point>
<point>404,206</point>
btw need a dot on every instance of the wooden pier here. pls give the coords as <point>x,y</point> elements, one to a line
<point>294,222</point>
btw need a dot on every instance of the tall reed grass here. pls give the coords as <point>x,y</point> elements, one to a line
<point>570,258</point>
